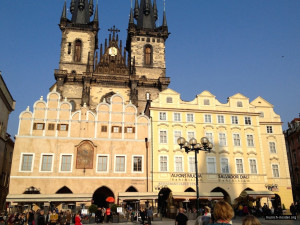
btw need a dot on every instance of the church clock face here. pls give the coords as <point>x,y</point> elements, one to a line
<point>112,51</point>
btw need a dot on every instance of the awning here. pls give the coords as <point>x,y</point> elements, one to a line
<point>202,195</point>
<point>49,197</point>
<point>260,194</point>
<point>138,195</point>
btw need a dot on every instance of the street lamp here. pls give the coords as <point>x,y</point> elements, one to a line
<point>192,145</point>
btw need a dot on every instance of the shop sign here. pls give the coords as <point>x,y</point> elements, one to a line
<point>234,177</point>
<point>184,176</point>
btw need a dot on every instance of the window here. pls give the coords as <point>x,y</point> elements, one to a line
<point>46,163</point>
<point>26,162</point>
<point>190,135</point>
<point>162,116</point>
<point>234,120</point>
<point>190,117</point>
<point>163,137</point>
<point>239,166</point>
<point>78,47</point>
<point>62,127</point>
<point>253,168</point>
<point>221,119</point>
<point>236,140</point>
<point>192,168</point>
<point>137,163</point>
<point>222,139</point>
<point>272,147</point>
<point>239,104</point>
<point>148,55</point>
<point>51,126</point>
<point>66,161</point>
<point>269,129</point>
<point>177,117</point>
<point>130,130</point>
<point>102,163</point>
<point>250,140</point>
<point>275,170</point>
<point>163,163</point>
<point>209,135</point>
<point>206,102</point>
<point>120,164</point>
<point>38,126</point>
<point>103,128</point>
<point>211,165</point>
<point>207,118</point>
<point>248,120</point>
<point>169,100</point>
<point>178,164</point>
<point>177,134</point>
<point>73,104</point>
<point>224,165</point>
<point>116,129</point>
<point>69,48</point>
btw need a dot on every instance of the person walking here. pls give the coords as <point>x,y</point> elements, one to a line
<point>108,215</point>
<point>41,219</point>
<point>181,218</point>
<point>223,213</point>
<point>68,217</point>
<point>53,218</point>
<point>78,219</point>
<point>149,215</point>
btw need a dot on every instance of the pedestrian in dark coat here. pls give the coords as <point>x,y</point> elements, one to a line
<point>181,219</point>
<point>41,218</point>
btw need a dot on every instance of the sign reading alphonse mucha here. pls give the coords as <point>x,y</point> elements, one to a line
<point>85,155</point>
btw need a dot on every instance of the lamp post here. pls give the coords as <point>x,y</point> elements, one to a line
<point>190,146</point>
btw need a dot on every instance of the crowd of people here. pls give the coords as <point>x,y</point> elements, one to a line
<point>38,217</point>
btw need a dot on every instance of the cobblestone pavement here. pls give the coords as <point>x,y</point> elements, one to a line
<point>236,221</point>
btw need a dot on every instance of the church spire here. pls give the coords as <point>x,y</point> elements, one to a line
<point>146,18</point>
<point>91,7</point>
<point>131,20</point>
<point>155,10</point>
<point>81,11</point>
<point>136,10</point>
<point>96,17</point>
<point>165,20</point>
<point>64,12</point>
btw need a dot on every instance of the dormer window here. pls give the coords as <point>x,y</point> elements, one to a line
<point>206,102</point>
<point>78,47</point>
<point>239,104</point>
<point>148,55</point>
<point>169,100</point>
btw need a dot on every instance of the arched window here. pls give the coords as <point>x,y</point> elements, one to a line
<point>73,104</point>
<point>147,96</point>
<point>148,55</point>
<point>78,47</point>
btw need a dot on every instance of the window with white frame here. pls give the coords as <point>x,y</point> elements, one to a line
<point>178,164</point>
<point>120,164</point>
<point>26,162</point>
<point>269,129</point>
<point>46,163</point>
<point>163,137</point>
<point>253,166</point>
<point>102,163</point>
<point>222,139</point>
<point>137,163</point>
<point>66,162</point>
<point>211,164</point>
<point>190,117</point>
<point>177,117</point>
<point>163,116</point>
<point>190,135</point>
<point>209,135</point>
<point>177,134</point>
<point>248,120</point>
<point>224,165</point>
<point>275,169</point>
<point>272,147</point>
<point>234,120</point>
<point>239,165</point>
<point>221,119</point>
<point>163,163</point>
<point>207,118</point>
<point>250,140</point>
<point>236,140</point>
<point>192,168</point>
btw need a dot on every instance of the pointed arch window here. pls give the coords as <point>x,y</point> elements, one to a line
<point>148,55</point>
<point>78,49</point>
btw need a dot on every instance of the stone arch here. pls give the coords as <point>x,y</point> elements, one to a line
<point>64,190</point>
<point>100,196</point>
<point>107,97</point>
<point>227,197</point>
<point>189,190</point>
<point>32,190</point>
<point>164,195</point>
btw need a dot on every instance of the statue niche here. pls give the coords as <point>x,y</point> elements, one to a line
<point>85,155</point>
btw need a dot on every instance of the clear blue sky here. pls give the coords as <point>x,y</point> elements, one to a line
<point>223,46</point>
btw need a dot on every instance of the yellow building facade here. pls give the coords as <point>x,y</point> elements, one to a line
<point>248,157</point>
<point>64,157</point>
